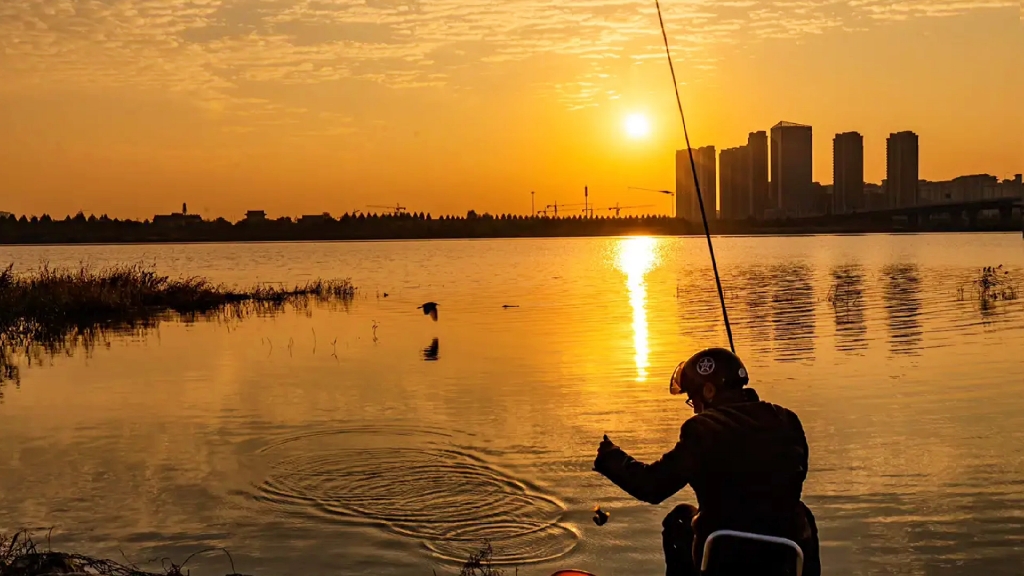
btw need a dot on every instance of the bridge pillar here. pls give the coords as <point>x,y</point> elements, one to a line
<point>1006,214</point>
<point>927,219</point>
<point>972,218</point>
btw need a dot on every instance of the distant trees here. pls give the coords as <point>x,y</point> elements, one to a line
<point>353,225</point>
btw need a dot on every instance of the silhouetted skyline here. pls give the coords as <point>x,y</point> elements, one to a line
<point>792,194</point>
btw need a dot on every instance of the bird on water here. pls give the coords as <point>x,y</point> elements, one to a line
<point>429,308</point>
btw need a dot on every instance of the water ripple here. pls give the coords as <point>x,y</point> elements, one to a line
<point>449,498</point>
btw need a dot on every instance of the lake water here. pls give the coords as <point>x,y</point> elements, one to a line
<point>315,443</point>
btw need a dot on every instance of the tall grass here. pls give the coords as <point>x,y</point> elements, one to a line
<point>21,556</point>
<point>992,284</point>
<point>57,309</point>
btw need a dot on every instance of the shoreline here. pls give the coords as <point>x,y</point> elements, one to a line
<point>317,239</point>
<point>1002,215</point>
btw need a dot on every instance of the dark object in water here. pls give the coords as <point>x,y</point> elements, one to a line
<point>385,294</point>
<point>510,305</point>
<point>600,516</point>
<point>429,308</point>
<point>430,352</point>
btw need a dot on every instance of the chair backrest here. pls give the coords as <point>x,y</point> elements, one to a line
<point>734,553</point>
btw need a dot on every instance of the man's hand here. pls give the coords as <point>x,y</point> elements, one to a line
<point>606,445</point>
<point>603,448</point>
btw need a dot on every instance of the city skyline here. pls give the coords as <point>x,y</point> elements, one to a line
<point>743,192</point>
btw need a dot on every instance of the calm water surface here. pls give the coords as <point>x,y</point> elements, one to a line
<point>314,443</point>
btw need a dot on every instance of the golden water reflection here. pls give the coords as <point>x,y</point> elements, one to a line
<point>636,257</point>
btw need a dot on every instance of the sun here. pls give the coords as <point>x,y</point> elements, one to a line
<point>637,126</point>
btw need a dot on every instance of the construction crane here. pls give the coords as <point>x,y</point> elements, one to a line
<point>669,192</point>
<point>618,208</point>
<point>556,206</point>
<point>666,192</point>
<point>396,209</point>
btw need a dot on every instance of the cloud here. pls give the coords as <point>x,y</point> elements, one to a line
<point>882,10</point>
<point>216,51</point>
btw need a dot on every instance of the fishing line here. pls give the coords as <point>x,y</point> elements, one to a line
<point>696,182</point>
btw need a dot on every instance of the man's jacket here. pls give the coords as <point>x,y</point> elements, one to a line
<point>746,462</point>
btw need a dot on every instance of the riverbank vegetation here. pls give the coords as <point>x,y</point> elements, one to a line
<point>991,284</point>
<point>182,227</point>
<point>21,556</point>
<point>53,309</point>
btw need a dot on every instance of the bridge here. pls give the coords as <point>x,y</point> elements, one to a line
<point>954,212</point>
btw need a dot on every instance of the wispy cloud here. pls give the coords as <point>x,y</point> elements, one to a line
<point>213,50</point>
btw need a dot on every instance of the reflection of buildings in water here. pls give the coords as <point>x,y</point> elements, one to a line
<point>792,312</point>
<point>902,297</point>
<point>846,297</point>
<point>752,322</point>
<point>700,314</point>
<point>636,257</point>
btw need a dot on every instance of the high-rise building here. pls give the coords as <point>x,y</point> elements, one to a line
<point>734,171</point>
<point>901,169</point>
<point>687,205</point>
<point>848,173</point>
<point>757,154</point>
<point>790,188</point>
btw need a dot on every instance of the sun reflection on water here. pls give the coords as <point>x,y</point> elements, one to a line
<point>636,257</point>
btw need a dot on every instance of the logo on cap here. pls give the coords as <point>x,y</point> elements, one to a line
<point>705,366</point>
<point>743,372</point>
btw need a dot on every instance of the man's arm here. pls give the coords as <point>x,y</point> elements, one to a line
<point>802,439</point>
<point>651,483</point>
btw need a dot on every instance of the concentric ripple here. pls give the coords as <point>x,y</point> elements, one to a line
<point>446,497</point>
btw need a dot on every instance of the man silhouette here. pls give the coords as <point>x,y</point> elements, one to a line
<point>745,459</point>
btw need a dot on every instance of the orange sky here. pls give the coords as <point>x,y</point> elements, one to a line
<point>131,107</point>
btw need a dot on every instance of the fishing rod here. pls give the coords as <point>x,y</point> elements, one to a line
<point>696,182</point>
<point>600,516</point>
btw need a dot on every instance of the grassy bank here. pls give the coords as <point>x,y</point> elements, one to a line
<point>54,309</point>
<point>21,556</point>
